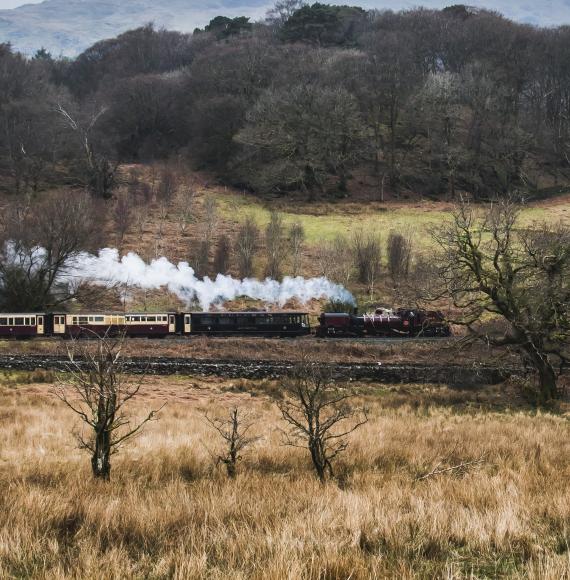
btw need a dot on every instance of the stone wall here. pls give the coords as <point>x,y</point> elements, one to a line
<point>456,375</point>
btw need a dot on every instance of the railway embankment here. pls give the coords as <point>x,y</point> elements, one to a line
<point>466,376</point>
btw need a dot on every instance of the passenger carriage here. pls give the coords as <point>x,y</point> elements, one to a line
<point>132,324</point>
<point>246,323</point>
<point>22,325</point>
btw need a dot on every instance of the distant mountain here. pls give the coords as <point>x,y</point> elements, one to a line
<point>67,27</point>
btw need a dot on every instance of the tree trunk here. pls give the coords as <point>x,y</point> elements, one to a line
<point>318,462</point>
<point>546,375</point>
<point>101,459</point>
<point>547,382</point>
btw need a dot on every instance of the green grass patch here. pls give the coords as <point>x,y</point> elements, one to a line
<point>344,219</point>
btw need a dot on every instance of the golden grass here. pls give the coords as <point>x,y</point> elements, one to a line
<point>168,513</point>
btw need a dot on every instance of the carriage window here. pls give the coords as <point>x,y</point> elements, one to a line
<point>227,321</point>
<point>74,320</point>
<point>19,321</point>
<point>27,321</point>
<point>3,321</point>
<point>11,321</point>
<point>33,321</point>
<point>187,319</point>
<point>207,320</point>
<point>151,318</point>
<point>83,320</point>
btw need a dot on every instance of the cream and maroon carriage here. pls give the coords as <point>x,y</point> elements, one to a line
<point>132,324</point>
<point>22,326</point>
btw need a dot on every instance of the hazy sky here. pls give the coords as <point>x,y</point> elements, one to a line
<point>15,3</point>
<point>543,12</point>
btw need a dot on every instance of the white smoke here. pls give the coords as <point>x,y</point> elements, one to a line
<point>108,269</point>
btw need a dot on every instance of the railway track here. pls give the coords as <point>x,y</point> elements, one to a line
<point>185,339</point>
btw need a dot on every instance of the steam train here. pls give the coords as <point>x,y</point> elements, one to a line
<point>382,323</point>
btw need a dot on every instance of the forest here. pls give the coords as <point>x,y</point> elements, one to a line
<point>317,100</point>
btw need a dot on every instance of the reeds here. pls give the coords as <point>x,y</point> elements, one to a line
<point>169,512</point>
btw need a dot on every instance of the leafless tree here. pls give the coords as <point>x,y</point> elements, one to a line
<point>123,215</point>
<point>96,389</point>
<point>320,415</point>
<point>336,260</point>
<point>140,219</point>
<point>187,198</point>
<point>246,246</point>
<point>234,431</point>
<point>296,242</point>
<point>491,267</point>
<point>163,211</point>
<point>275,246</point>
<point>210,217</point>
<point>367,254</point>
<point>399,248</point>
<point>39,245</point>
<point>222,255</point>
<point>100,170</point>
<point>201,257</point>
<point>167,185</point>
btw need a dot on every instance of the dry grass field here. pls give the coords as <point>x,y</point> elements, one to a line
<point>169,512</point>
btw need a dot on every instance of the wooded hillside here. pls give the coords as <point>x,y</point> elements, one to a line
<point>320,99</point>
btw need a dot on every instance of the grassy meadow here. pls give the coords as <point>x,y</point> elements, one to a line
<point>324,221</point>
<point>169,512</point>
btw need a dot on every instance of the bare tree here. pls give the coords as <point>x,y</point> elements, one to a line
<point>96,389</point>
<point>275,246</point>
<point>399,249</point>
<point>336,260</point>
<point>319,414</point>
<point>201,257</point>
<point>296,242</point>
<point>123,215</point>
<point>222,255</point>
<point>246,246</point>
<point>210,217</point>
<point>367,254</point>
<point>167,185</point>
<point>140,219</point>
<point>100,172</point>
<point>162,219</point>
<point>234,433</point>
<point>187,197</point>
<point>491,268</point>
<point>40,244</point>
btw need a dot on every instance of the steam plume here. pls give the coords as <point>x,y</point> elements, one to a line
<point>107,269</point>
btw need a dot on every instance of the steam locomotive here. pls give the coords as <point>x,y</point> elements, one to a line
<point>384,322</point>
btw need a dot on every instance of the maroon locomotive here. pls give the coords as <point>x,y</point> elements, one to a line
<point>385,322</point>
